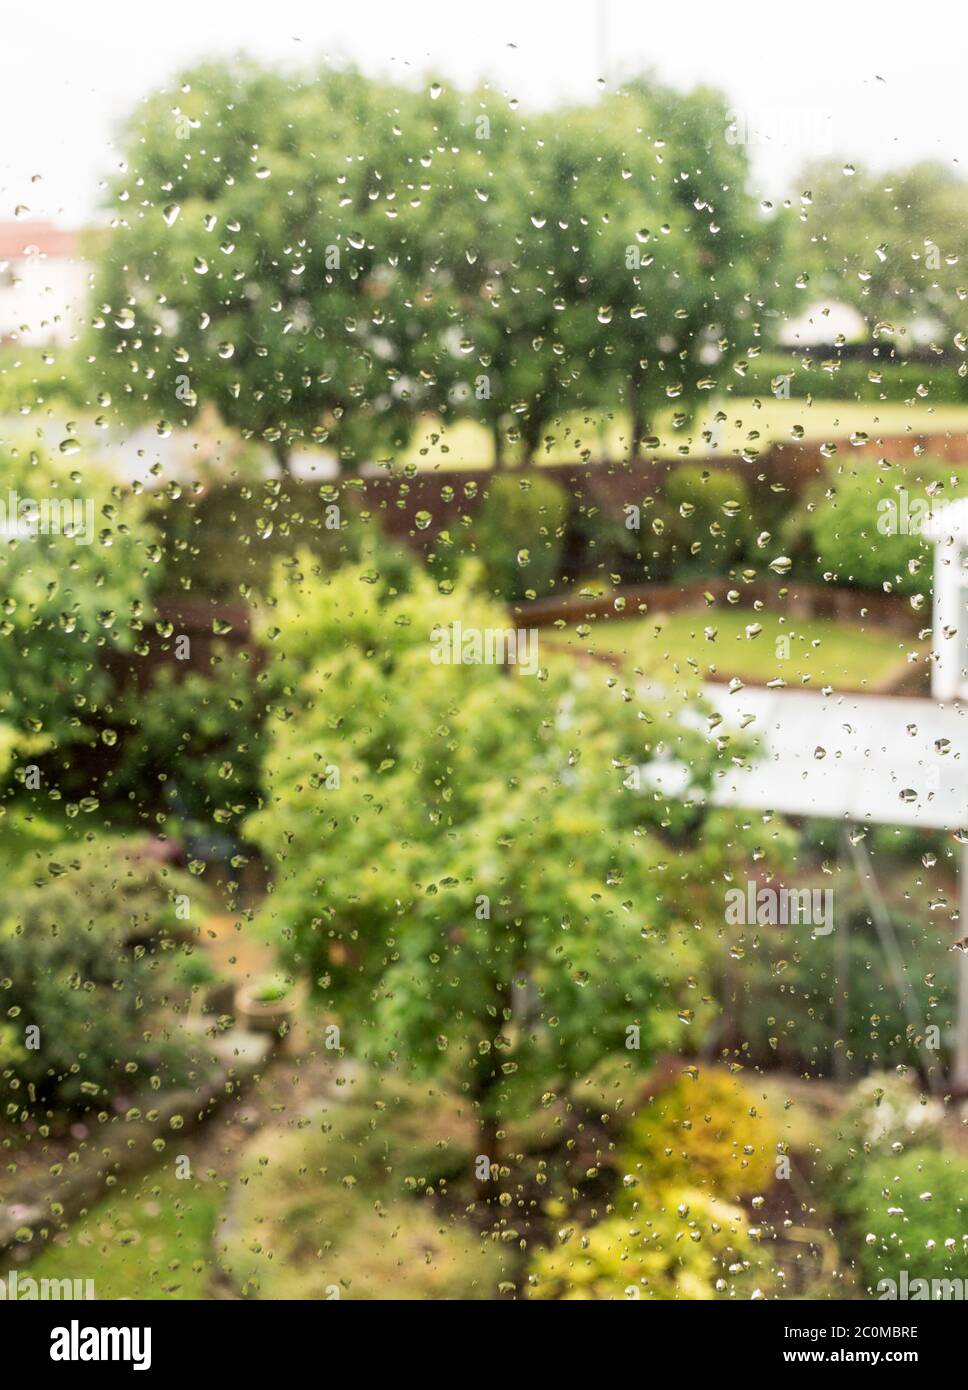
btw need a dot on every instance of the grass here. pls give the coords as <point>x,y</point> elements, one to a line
<point>715,643</point>
<point>152,1240</point>
<point>752,423</point>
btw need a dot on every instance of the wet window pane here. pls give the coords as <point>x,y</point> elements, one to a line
<point>483,557</point>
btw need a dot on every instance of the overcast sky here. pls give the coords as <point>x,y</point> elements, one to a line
<point>873,84</point>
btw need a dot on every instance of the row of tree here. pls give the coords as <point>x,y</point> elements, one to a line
<point>329,259</point>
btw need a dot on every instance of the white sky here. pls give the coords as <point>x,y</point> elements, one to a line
<point>873,84</point>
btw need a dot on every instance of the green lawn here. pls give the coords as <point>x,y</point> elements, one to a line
<point>751,424</point>
<point>715,643</point>
<point>153,1240</point>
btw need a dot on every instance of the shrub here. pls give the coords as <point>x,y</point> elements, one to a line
<point>886,1112</point>
<point>910,1212</point>
<point>683,1244</point>
<point>885,1115</point>
<point>349,1202</point>
<point>233,534</point>
<point>708,1133</point>
<point>600,543</point>
<point>712,524</point>
<point>858,528</point>
<point>191,743</point>
<point>84,957</point>
<point>69,597</point>
<point>518,534</point>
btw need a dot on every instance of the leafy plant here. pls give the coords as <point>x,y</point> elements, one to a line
<point>192,741</point>
<point>908,1212</point>
<point>86,950</point>
<point>862,525</point>
<point>712,523</point>
<point>706,1131</point>
<point>517,536</point>
<point>75,588</point>
<point>683,1243</point>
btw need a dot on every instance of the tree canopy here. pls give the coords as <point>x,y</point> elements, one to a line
<point>329,259</point>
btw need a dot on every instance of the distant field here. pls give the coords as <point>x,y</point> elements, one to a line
<point>749,425</point>
<point>713,643</point>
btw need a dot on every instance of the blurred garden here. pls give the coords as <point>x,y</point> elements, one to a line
<point>329,969</point>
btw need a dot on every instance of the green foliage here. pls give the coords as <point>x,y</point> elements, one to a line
<point>885,1114</point>
<point>32,377</point>
<point>781,993</point>
<point>854,524</point>
<point>479,883</point>
<point>683,1244</point>
<point>885,1111</point>
<point>294,290</point>
<point>69,600</point>
<point>713,518</point>
<point>192,742</point>
<point>606,546</point>
<point>908,1212</point>
<point>708,1131</point>
<point>891,244</point>
<point>346,1202</point>
<point>86,941</point>
<point>695,238</point>
<point>226,540</point>
<point>834,377</point>
<point>518,535</point>
<point>436,253</point>
<point>689,1153</point>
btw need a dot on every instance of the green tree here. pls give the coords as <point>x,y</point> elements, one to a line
<point>461,860</point>
<point>626,256</point>
<point>272,253</point>
<point>893,244</point>
<point>683,263</point>
<point>862,525</point>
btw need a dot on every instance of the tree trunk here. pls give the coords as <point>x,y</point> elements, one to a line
<point>488,1140</point>
<point>498,437</point>
<point>487,1127</point>
<point>532,443</point>
<point>635,411</point>
<point>281,454</point>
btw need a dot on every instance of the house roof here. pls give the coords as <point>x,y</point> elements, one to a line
<point>821,324</point>
<point>875,759</point>
<point>18,240</point>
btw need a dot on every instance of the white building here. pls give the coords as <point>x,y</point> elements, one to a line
<point>948,529</point>
<point>823,325</point>
<point>43,283</point>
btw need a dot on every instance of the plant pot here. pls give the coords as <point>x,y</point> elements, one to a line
<point>264,1015</point>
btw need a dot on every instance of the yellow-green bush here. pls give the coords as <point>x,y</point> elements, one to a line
<point>677,1231</point>
<point>706,1131</point>
<point>686,1245</point>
